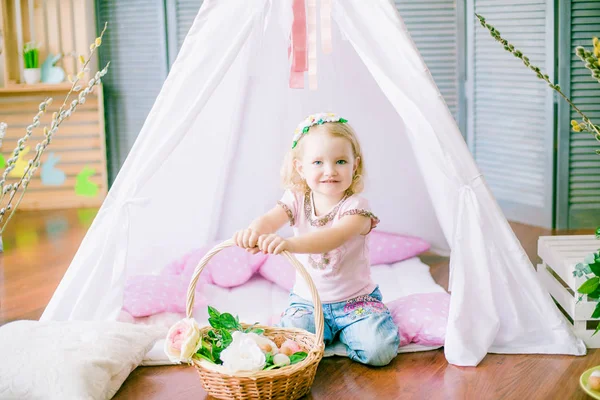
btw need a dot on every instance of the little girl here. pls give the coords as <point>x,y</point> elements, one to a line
<point>323,176</point>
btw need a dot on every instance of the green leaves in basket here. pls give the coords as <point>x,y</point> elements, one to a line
<point>223,321</point>
<point>297,357</point>
<point>252,328</point>
<point>205,352</point>
<point>215,340</point>
<point>589,286</point>
<point>213,313</point>
<point>294,359</point>
<point>220,336</point>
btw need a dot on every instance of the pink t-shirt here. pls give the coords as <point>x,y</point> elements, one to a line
<point>339,274</point>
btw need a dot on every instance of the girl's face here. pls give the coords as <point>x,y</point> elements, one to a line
<point>327,162</point>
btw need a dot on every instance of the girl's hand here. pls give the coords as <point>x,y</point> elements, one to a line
<point>247,239</point>
<point>272,244</point>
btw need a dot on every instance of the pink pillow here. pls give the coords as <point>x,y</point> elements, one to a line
<point>150,294</point>
<point>421,318</point>
<point>278,270</point>
<point>230,267</point>
<point>388,248</point>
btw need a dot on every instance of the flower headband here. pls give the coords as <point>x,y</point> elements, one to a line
<point>312,120</point>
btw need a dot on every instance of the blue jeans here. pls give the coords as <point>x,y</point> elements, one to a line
<point>364,325</point>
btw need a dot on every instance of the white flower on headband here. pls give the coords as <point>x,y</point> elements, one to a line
<point>312,120</point>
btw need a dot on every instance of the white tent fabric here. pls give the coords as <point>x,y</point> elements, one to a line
<point>208,156</point>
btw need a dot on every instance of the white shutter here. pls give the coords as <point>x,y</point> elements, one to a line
<point>510,127</point>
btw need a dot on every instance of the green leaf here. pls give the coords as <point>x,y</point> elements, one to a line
<point>202,356</point>
<point>596,313</point>
<point>297,357</point>
<point>258,331</point>
<point>227,338</point>
<point>205,353</point>
<point>595,294</point>
<point>213,313</point>
<point>589,286</point>
<point>215,323</point>
<point>269,358</point>
<point>598,233</point>
<point>271,367</point>
<point>216,354</point>
<point>595,267</point>
<point>228,321</point>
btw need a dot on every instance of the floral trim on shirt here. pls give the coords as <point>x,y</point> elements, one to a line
<point>324,219</point>
<point>364,213</point>
<point>289,212</point>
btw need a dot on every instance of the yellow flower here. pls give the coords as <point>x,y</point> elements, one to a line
<point>92,46</point>
<point>98,41</point>
<point>81,59</point>
<point>577,128</point>
<point>595,41</point>
<point>574,123</point>
<point>80,75</point>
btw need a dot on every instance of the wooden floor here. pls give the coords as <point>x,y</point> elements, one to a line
<point>40,245</point>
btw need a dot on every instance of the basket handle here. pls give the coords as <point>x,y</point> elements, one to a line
<point>299,267</point>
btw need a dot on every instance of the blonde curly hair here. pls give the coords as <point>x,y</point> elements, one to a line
<point>292,180</point>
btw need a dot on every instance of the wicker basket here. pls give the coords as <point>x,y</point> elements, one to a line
<point>289,382</point>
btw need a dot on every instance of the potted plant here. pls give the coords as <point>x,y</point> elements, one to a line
<point>31,59</point>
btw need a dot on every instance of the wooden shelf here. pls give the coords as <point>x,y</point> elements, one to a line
<point>37,88</point>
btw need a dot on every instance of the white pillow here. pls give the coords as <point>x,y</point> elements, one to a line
<point>71,359</point>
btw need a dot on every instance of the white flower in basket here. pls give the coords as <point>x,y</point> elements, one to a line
<point>244,354</point>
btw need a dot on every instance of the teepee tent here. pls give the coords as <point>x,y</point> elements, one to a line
<point>207,161</point>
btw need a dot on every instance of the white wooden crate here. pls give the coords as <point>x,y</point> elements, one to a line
<point>559,256</point>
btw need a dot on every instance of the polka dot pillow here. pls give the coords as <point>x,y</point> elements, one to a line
<point>230,267</point>
<point>146,295</point>
<point>389,248</point>
<point>421,318</point>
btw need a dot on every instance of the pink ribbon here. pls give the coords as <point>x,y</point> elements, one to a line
<point>304,29</point>
<point>298,48</point>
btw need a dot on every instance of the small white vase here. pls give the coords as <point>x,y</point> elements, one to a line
<point>32,75</point>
